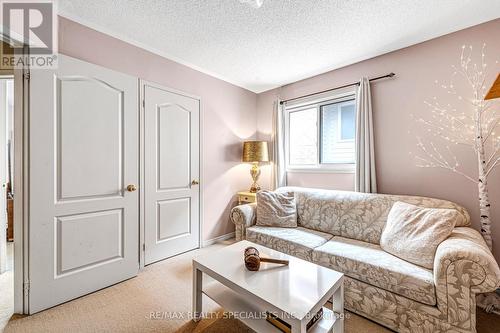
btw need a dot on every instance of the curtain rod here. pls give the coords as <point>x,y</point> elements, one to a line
<point>344,86</point>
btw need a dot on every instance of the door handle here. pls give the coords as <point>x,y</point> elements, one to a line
<point>195,182</point>
<point>131,188</point>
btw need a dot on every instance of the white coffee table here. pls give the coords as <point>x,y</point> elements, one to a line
<point>292,292</point>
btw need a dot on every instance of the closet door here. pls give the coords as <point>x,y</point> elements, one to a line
<point>83,169</point>
<point>171,173</point>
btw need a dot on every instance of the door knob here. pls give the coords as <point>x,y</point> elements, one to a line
<point>195,182</point>
<point>131,188</point>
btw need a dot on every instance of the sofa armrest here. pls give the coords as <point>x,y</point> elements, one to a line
<point>243,216</point>
<point>466,245</point>
<point>463,267</point>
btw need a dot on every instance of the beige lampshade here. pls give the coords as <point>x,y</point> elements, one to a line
<point>255,151</point>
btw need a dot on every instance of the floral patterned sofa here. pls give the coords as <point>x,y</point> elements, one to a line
<point>341,230</point>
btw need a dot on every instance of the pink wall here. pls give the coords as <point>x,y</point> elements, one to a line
<point>394,100</point>
<point>228,113</point>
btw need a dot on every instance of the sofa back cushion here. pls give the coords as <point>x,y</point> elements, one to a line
<point>355,215</point>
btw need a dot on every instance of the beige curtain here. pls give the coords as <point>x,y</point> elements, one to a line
<point>365,180</point>
<point>278,144</point>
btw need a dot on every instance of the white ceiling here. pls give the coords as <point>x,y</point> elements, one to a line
<point>282,41</point>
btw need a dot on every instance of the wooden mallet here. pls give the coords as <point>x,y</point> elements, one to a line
<point>253,260</point>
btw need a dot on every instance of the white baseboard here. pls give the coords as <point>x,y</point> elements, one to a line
<point>218,239</point>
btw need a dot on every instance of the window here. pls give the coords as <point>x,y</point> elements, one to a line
<point>321,135</point>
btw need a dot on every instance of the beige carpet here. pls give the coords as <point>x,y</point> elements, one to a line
<point>127,306</point>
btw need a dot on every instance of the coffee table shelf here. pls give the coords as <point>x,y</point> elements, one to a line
<point>233,302</point>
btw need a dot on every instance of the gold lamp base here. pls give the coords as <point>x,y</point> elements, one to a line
<point>255,173</point>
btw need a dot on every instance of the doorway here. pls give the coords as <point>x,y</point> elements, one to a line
<point>6,198</point>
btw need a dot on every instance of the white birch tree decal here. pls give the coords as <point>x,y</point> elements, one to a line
<point>473,126</point>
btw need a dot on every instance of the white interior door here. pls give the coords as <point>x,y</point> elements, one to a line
<point>171,181</point>
<point>83,146</point>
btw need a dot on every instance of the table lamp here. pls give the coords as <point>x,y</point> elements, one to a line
<point>255,152</point>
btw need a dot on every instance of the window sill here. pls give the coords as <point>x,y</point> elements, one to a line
<point>323,170</point>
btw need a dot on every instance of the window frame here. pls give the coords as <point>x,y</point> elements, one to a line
<point>317,103</point>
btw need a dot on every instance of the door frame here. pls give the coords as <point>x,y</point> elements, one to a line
<point>21,190</point>
<point>21,182</point>
<point>142,221</point>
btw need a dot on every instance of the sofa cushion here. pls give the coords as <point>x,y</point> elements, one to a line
<point>369,263</point>
<point>355,215</point>
<point>413,233</point>
<point>297,242</point>
<point>276,209</point>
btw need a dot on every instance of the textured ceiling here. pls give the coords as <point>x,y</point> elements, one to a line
<point>282,41</point>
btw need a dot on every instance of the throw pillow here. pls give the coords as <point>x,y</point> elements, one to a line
<point>276,209</point>
<point>413,233</point>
